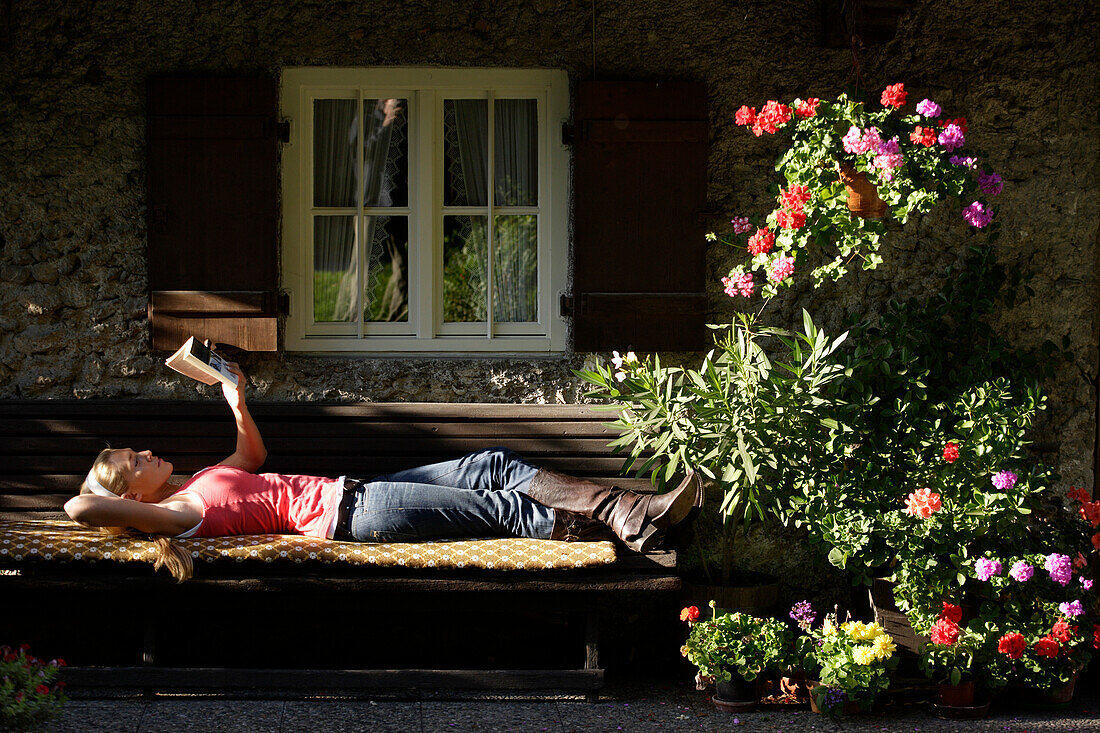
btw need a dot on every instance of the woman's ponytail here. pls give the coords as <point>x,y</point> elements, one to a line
<point>173,557</point>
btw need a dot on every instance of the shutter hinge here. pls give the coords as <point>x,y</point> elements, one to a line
<point>283,302</point>
<point>566,305</point>
<point>282,131</point>
<point>572,132</point>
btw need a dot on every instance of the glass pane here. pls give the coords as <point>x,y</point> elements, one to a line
<point>387,286</point>
<point>334,260</point>
<point>515,152</point>
<point>515,269</point>
<point>334,152</point>
<point>386,153</point>
<point>465,152</point>
<point>464,268</point>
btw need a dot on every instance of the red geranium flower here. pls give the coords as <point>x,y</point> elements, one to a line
<point>951,613</point>
<point>925,136</point>
<point>42,690</point>
<point>1079,495</point>
<point>1096,540</point>
<point>808,108</point>
<point>1062,631</point>
<point>691,613</point>
<point>951,452</point>
<point>1096,636</point>
<point>1047,647</point>
<point>893,96</point>
<point>946,632</point>
<point>745,116</point>
<point>788,219</point>
<point>1012,644</point>
<point>761,242</point>
<point>959,122</point>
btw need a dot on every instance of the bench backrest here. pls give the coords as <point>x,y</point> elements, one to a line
<point>47,446</point>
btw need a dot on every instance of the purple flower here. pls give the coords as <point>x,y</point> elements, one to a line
<point>1072,608</point>
<point>1060,568</point>
<point>928,108</point>
<point>741,224</point>
<point>977,215</point>
<point>966,162</point>
<point>1021,571</point>
<point>803,613</point>
<point>952,138</point>
<point>886,163</point>
<point>986,568</point>
<point>1003,480</point>
<point>990,184</point>
<point>1086,583</point>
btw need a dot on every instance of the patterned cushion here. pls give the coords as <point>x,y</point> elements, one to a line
<point>63,541</point>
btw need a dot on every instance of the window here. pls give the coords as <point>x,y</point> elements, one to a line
<point>424,210</point>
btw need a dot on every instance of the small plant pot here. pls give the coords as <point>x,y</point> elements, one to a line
<point>848,708</point>
<point>735,689</point>
<point>1059,695</point>
<point>796,686</point>
<point>957,696</point>
<point>863,198</point>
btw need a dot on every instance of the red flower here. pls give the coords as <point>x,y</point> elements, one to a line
<point>1096,540</point>
<point>951,613</point>
<point>761,242</point>
<point>1090,512</point>
<point>42,690</point>
<point>771,116</point>
<point>893,96</point>
<point>24,647</point>
<point>923,503</point>
<point>791,219</point>
<point>951,452</point>
<point>794,197</point>
<point>1079,495</point>
<point>745,115</point>
<point>925,136</point>
<point>945,631</point>
<point>1047,647</point>
<point>691,613</point>
<point>807,108</point>
<point>1012,644</point>
<point>959,122</point>
<point>1062,631</point>
<point>1096,636</point>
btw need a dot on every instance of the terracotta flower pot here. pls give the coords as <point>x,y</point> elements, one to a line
<point>958,696</point>
<point>1059,695</point>
<point>848,708</point>
<point>863,198</point>
<point>796,686</point>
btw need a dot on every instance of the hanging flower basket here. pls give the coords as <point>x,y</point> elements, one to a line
<point>847,172</point>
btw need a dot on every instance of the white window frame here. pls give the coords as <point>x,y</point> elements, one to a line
<point>425,88</point>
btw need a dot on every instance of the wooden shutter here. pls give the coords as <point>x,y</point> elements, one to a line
<point>211,211</point>
<point>640,181</point>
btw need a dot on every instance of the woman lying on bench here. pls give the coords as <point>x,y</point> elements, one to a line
<point>490,493</point>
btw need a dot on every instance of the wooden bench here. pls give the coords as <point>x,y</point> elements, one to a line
<point>46,447</point>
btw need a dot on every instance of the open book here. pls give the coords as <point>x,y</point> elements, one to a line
<point>198,361</point>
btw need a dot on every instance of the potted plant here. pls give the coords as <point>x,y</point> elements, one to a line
<point>845,157</point>
<point>950,658</point>
<point>732,650</point>
<point>755,425</point>
<point>29,695</point>
<point>855,661</point>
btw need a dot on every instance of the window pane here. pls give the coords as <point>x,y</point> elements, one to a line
<point>334,152</point>
<point>515,152</point>
<point>335,284</point>
<point>386,153</point>
<point>387,286</point>
<point>465,152</point>
<point>464,268</point>
<point>515,269</point>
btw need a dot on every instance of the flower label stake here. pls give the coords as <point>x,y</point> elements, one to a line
<point>848,171</point>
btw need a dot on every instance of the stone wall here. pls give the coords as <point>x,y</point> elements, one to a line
<point>72,231</point>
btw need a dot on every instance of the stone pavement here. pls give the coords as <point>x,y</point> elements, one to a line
<point>630,707</point>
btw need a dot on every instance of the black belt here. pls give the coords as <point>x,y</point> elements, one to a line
<point>347,501</point>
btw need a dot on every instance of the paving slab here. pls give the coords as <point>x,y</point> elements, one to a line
<point>213,716</point>
<point>99,716</point>
<point>498,716</point>
<point>360,716</point>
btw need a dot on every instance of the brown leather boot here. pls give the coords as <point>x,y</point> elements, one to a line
<point>573,527</point>
<point>636,519</point>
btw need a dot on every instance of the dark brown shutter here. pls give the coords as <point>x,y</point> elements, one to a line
<point>211,209</point>
<point>640,182</point>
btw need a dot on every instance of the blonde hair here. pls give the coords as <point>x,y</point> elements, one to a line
<point>169,554</point>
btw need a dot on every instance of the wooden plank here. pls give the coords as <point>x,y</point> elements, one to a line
<point>193,302</point>
<point>219,678</point>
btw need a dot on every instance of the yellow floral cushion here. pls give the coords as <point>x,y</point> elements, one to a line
<point>63,541</point>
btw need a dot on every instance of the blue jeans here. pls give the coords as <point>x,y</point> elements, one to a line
<point>478,495</point>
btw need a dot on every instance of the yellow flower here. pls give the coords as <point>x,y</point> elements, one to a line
<point>864,654</point>
<point>884,647</point>
<point>876,631</point>
<point>828,628</point>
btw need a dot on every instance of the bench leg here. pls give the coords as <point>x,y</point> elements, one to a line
<point>592,646</point>
<point>149,653</point>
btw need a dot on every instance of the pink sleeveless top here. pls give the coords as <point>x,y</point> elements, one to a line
<point>236,502</point>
